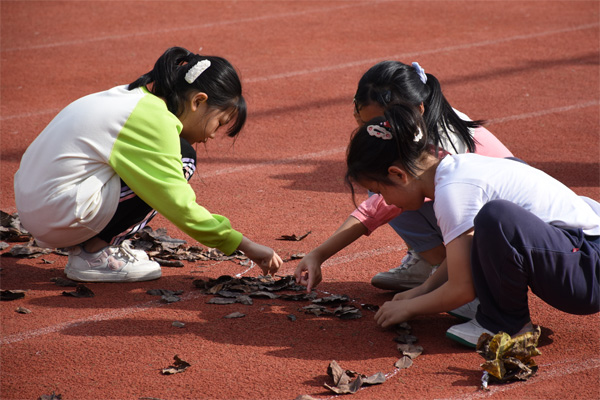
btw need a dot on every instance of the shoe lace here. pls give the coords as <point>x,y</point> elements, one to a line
<point>410,259</point>
<point>125,253</point>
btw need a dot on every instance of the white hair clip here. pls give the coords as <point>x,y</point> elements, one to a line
<point>420,72</point>
<point>418,136</point>
<point>194,72</point>
<point>379,131</point>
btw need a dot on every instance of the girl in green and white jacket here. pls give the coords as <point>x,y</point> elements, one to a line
<point>109,161</point>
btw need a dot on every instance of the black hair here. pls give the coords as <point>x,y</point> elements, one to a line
<point>369,156</point>
<point>390,82</point>
<point>220,82</point>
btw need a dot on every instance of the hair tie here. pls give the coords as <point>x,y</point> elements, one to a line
<point>420,72</point>
<point>194,72</point>
<point>380,131</point>
<point>418,136</point>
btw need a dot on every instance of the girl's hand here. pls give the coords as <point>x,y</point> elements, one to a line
<point>308,271</point>
<point>392,313</point>
<point>263,256</point>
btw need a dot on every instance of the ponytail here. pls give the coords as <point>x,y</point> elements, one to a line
<point>219,81</point>
<point>440,116</point>
<point>391,82</point>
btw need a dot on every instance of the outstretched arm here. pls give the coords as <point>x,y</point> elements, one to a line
<point>308,271</point>
<point>264,256</point>
<point>434,296</point>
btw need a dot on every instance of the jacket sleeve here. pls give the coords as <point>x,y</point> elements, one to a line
<point>147,156</point>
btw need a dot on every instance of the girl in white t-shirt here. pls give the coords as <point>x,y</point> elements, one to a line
<point>506,226</point>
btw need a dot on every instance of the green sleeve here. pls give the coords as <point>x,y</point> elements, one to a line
<point>147,156</point>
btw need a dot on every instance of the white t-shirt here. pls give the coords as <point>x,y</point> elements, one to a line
<point>465,182</point>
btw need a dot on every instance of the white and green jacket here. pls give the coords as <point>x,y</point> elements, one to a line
<point>67,187</point>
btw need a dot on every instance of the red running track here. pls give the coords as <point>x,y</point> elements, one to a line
<point>529,67</point>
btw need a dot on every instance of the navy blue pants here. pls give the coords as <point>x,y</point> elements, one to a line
<point>513,250</point>
<point>132,212</point>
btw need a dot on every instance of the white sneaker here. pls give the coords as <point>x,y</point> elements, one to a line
<point>467,311</point>
<point>411,272</point>
<point>469,332</point>
<point>111,264</point>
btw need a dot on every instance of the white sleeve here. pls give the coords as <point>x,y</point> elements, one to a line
<point>456,206</point>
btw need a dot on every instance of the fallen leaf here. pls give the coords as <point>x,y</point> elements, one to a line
<point>403,362</point>
<point>80,291</point>
<point>334,299</point>
<point>168,263</point>
<point>507,358</point>
<point>169,298</point>
<point>163,292</point>
<point>178,366</point>
<point>178,324</point>
<point>9,295</point>
<point>410,350</point>
<point>23,310</point>
<point>52,396</point>
<point>347,312</point>
<point>222,300</point>
<point>294,237</point>
<point>343,382</point>
<point>235,315</point>
<point>405,338</point>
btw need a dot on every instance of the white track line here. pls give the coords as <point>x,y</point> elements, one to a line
<point>369,61</point>
<point>18,337</point>
<point>340,150</point>
<point>545,372</point>
<point>107,316</point>
<point>162,32</point>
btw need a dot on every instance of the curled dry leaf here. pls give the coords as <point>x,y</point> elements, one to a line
<point>403,362</point>
<point>9,295</point>
<point>235,315</point>
<point>293,237</point>
<point>23,310</point>
<point>410,350</point>
<point>178,366</point>
<point>507,358</point>
<point>80,291</point>
<point>333,299</point>
<point>343,382</point>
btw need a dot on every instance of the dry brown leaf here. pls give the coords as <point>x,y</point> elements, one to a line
<point>80,291</point>
<point>403,362</point>
<point>293,237</point>
<point>235,315</point>
<point>178,366</point>
<point>411,350</point>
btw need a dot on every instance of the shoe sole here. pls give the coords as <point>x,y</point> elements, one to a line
<point>397,287</point>
<point>111,278</point>
<point>460,340</point>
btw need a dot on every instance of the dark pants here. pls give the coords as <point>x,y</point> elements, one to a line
<point>132,212</point>
<point>513,250</point>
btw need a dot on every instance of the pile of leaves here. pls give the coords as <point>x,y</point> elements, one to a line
<point>509,359</point>
<point>229,290</point>
<point>170,252</point>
